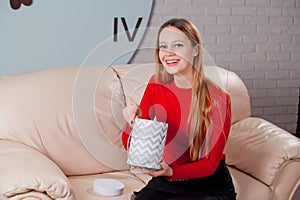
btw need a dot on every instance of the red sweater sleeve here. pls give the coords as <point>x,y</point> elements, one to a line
<point>206,166</point>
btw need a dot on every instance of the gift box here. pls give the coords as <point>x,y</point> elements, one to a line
<point>146,143</point>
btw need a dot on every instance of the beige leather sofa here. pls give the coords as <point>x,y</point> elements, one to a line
<point>60,129</point>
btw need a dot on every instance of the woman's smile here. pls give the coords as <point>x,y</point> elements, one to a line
<point>171,62</point>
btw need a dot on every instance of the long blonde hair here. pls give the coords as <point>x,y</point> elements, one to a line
<point>199,118</point>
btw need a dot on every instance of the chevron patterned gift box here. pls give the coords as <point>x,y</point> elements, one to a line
<point>146,145</point>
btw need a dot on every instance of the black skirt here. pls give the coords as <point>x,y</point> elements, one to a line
<point>218,184</point>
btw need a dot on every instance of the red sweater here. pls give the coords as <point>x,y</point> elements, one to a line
<point>171,104</point>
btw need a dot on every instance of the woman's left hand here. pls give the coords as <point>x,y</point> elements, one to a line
<point>165,170</point>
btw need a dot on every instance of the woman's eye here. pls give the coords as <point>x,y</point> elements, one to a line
<point>162,46</point>
<point>178,45</point>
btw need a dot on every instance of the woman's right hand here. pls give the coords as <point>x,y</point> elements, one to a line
<point>130,112</point>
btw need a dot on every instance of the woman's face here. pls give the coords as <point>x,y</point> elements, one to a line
<point>176,52</point>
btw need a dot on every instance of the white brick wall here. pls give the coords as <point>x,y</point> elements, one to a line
<point>257,39</point>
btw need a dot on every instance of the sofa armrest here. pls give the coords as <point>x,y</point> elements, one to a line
<point>24,169</point>
<point>30,195</point>
<point>264,151</point>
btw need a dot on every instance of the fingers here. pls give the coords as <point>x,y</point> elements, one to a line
<point>163,164</point>
<point>164,171</point>
<point>130,112</point>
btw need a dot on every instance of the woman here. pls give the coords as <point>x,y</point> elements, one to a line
<point>198,114</point>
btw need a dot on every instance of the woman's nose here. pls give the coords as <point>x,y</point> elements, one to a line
<point>169,52</point>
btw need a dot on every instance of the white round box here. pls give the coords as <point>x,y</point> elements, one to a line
<point>108,187</point>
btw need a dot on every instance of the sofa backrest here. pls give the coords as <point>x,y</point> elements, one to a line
<point>134,78</point>
<point>73,115</point>
<point>49,110</point>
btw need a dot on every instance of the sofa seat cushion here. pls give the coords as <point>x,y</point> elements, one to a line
<point>245,185</point>
<point>83,185</point>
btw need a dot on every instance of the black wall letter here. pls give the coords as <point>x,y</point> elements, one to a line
<point>130,37</point>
